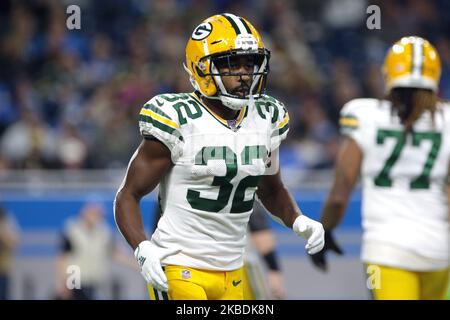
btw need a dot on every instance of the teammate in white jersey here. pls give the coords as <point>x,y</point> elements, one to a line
<point>210,151</point>
<point>401,148</point>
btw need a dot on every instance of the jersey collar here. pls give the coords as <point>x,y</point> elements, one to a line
<point>233,125</point>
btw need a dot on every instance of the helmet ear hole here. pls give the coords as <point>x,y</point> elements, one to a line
<point>200,72</point>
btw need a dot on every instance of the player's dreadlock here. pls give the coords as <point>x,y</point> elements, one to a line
<point>410,103</point>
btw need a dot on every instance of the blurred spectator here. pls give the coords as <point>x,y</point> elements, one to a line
<point>29,143</point>
<point>8,112</point>
<point>88,244</point>
<point>72,150</point>
<point>443,47</point>
<point>8,242</point>
<point>98,77</point>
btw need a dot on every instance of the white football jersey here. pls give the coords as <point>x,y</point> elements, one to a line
<point>404,179</point>
<point>207,197</point>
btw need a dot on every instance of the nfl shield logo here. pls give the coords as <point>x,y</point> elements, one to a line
<point>186,274</point>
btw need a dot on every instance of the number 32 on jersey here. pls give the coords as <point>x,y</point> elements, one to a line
<point>239,205</point>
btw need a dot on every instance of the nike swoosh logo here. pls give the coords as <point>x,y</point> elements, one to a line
<point>160,104</point>
<point>236,283</point>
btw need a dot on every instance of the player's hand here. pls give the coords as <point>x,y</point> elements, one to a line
<point>312,231</point>
<point>319,259</point>
<point>149,258</point>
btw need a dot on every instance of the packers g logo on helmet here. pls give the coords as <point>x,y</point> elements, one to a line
<point>412,62</point>
<point>224,36</point>
<point>202,31</point>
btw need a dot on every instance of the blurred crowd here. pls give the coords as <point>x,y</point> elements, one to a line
<point>70,98</point>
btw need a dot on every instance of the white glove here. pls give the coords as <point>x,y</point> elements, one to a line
<point>149,258</point>
<point>312,231</point>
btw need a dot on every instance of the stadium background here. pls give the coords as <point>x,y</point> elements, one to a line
<point>69,101</point>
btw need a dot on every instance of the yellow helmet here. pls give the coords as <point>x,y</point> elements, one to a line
<point>412,62</point>
<point>223,36</point>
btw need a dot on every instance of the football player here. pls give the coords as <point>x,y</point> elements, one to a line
<point>210,151</point>
<point>400,146</point>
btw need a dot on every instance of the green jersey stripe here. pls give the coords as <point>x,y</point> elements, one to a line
<point>348,127</point>
<point>280,131</point>
<point>156,110</point>
<point>161,126</point>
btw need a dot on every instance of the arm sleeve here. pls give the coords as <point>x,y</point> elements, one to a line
<point>351,122</point>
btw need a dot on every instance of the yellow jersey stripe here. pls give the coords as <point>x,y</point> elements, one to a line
<point>286,120</point>
<point>349,122</point>
<point>156,116</point>
<point>241,116</point>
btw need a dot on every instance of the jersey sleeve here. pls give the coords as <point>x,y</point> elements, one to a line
<point>280,124</point>
<point>159,120</point>
<point>351,121</point>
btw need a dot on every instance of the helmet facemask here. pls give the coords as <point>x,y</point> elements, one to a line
<point>258,77</point>
<point>260,60</point>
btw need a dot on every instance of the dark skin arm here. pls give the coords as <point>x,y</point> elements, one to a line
<point>150,164</point>
<point>347,171</point>
<point>277,199</point>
